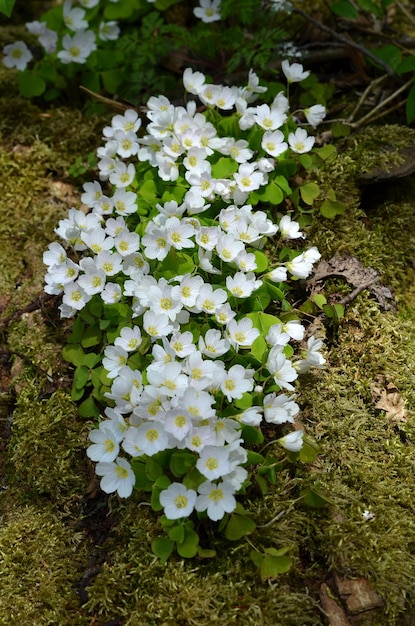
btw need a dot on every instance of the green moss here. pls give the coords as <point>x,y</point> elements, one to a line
<point>366,460</point>
<point>46,450</point>
<point>40,561</point>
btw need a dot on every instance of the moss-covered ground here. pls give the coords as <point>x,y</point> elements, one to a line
<point>70,556</point>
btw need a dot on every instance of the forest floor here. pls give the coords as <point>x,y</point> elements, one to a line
<point>69,555</point>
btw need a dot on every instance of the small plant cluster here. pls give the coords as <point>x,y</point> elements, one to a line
<point>183,329</point>
<point>125,47</point>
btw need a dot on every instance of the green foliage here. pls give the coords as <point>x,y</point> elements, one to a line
<point>6,7</point>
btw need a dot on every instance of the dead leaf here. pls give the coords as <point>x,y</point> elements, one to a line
<point>386,397</point>
<point>357,594</point>
<point>360,277</point>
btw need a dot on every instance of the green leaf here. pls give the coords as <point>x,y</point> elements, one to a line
<point>187,549</point>
<point>262,484</point>
<point>224,168</point>
<point>391,54</point>
<point>262,261</point>
<point>251,434</point>
<point>176,532</point>
<point>239,526</point>
<point>73,353</point>
<point>154,470</point>
<point>31,85</point>
<point>407,65</point>
<point>263,321</point>
<point>91,337</point>
<point>309,192</point>
<point>326,152</point>
<point>88,408</point>
<point>331,207</point>
<point>312,497</point>
<point>81,377</point>
<point>258,348</point>
<point>271,193</point>
<point>112,79</point>
<point>334,311</point>
<point>245,402</point>
<point>341,130</point>
<point>6,7</point>
<point>370,7</point>
<point>162,547</point>
<point>256,557</point>
<point>77,331</point>
<point>273,566</point>
<point>345,9</point>
<point>91,359</point>
<point>205,553</point>
<point>254,458</point>
<point>309,451</point>
<point>181,462</point>
<point>319,300</point>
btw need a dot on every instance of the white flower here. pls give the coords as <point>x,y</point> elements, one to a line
<point>228,247</point>
<point>212,344</point>
<point>17,54</point>
<point>127,243</point>
<point>280,408</point>
<point>280,334</point>
<point>109,262</point>
<point>281,368</point>
<point>117,477</point>
<point>278,274</point>
<point>216,499</point>
<point>155,243</point>
<point>178,233</point>
<point>242,333</point>
<point>152,437</point>
<point>273,143</point>
<point>74,17</point>
<point>178,423</point>
<point>111,293</point>
<point>156,325</point>
<point>315,114</point>
<point>74,296</point>
<point>236,382</point>
<point>108,31</point>
<point>115,358</point>
<point>129,339</point>
<point>242,285</point>
<point>177,501</point>
<point>193,82</point>
<point>247,179</point>
<point>368,515</point>
<point>169,379</point>
<point>77,48</point>
<point>105,446</point>
<point>252,416</point>
<point>253,88</point>
<point>293,441</point>
<point>122,174</point>
<point>294,73</point>
<point>208,10</point>
<point>300,142</point>
<point>299,266</point>
<point>289,229</point>
<point>269,118</point>
<point>210,299</point>
<point>213,462</point>
<point>313,358</point>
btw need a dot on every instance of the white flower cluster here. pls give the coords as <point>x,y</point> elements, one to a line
<point>191,320</point>
<point>75,48</point>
